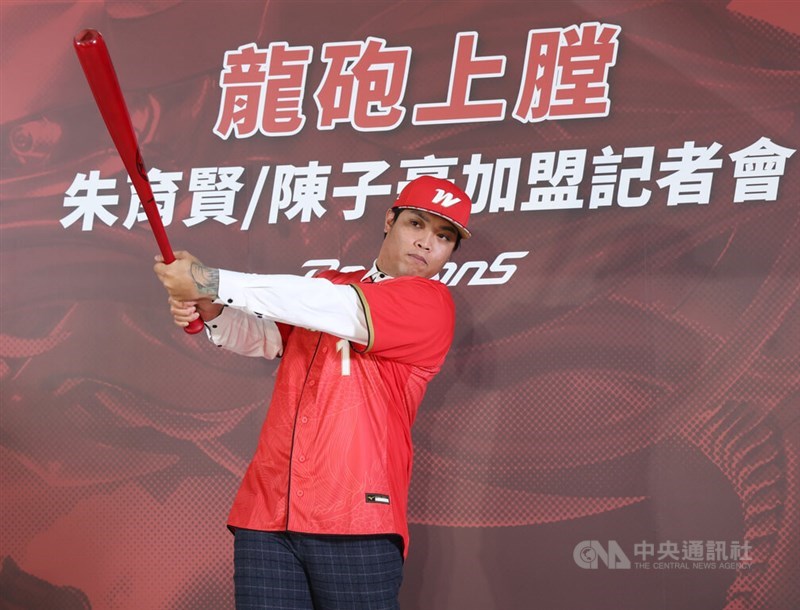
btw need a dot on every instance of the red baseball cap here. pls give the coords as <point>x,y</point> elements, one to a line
<point>437,196</point>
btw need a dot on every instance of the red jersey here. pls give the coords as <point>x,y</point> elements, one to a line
<point>335,452</point>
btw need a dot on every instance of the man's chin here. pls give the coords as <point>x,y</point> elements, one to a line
<point>415,272</point>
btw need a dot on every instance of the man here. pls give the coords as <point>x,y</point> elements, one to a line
<point>320,516</point>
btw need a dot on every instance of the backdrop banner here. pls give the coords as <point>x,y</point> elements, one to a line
<point>617,424</point>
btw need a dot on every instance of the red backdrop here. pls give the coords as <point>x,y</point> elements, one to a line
<point>617,422</point>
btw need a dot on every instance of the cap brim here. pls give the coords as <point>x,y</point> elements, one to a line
<point>462,230</point>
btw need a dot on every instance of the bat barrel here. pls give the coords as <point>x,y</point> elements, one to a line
<point>102,78</point>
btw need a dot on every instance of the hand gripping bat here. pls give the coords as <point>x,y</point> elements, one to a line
<point>99,71</point>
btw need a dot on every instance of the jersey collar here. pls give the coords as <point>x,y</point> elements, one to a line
<point>375,275</point>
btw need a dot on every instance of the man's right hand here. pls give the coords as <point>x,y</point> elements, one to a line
<point>184,312</point>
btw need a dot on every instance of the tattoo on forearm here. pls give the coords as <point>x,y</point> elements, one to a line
<point>206,279</point>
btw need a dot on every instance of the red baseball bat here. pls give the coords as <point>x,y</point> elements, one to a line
<point>99,71</point>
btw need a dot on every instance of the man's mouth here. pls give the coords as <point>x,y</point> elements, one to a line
<point>419,259</point>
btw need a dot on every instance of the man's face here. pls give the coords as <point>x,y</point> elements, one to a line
<point>417,243</point>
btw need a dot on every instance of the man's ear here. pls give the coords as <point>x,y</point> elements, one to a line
<point>388,220</point>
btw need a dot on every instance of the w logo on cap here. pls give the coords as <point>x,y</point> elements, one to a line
<point>445,198</point>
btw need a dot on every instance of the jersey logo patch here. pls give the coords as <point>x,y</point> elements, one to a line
<point>377,499</point>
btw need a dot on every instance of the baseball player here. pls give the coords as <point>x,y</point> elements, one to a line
<point>320,516</point>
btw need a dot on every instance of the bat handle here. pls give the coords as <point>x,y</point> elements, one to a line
<point>195,326</point>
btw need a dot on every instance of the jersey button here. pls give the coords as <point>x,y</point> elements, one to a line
<point>300,493</point>
<point>324,350</point>
<point>311,382</point>
<point>304,419</point>
<point>302,458</point>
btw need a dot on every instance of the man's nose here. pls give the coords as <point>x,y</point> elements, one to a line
<point>424,241</point>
